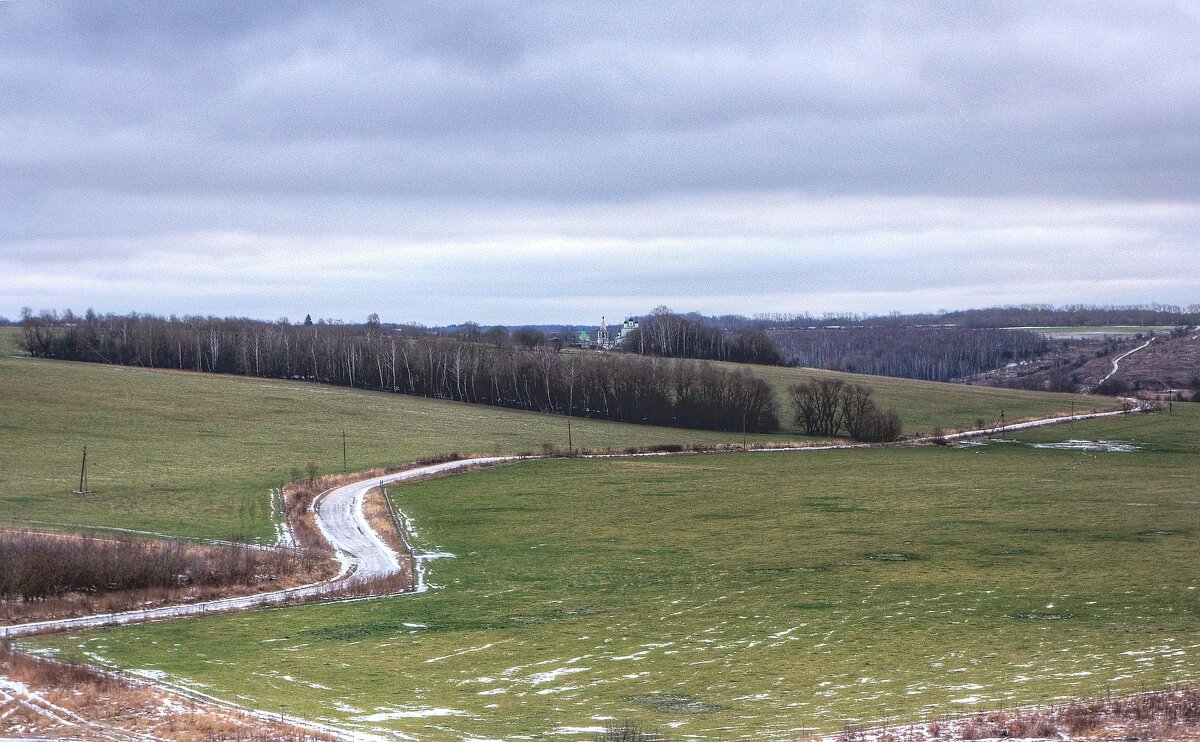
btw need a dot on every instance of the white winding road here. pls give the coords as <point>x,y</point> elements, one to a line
<point>362,553</point>
<point>1116,363</point>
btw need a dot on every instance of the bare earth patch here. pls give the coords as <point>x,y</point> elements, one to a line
<point>1173,715</point>
<point>48,698</point>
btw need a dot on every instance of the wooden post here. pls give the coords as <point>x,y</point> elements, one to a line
<point>83,478</point>
<point>345,468</point>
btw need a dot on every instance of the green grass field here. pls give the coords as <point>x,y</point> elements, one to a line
<point>731,595</point>
<point>194,454</point>
<point>8,341</point>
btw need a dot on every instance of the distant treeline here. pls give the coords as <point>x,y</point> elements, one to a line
<point>929,353</point>
<point>610,386</point>
<point>665,333</point>
<point>1023,315</point>
<point>1074,315</point>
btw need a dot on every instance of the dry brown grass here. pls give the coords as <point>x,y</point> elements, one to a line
<point>56,575</point>
<point>68,699</point>
<point>384,521</point>
<point>1173,715</point>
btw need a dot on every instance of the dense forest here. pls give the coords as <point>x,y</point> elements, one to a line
<point>929,353</point>
<point>611,386</point>
<point>1023,315</point>
<point>940,347</point>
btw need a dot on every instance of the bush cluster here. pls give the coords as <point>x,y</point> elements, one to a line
<point>38,566</point>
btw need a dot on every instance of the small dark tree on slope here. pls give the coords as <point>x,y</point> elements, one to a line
<point>830,407</point>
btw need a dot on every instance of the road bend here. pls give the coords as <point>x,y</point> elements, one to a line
<point>339,513</point>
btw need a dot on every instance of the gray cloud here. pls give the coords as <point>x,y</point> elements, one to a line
<point>776,153</point>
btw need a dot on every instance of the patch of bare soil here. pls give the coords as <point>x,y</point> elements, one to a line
<point>1167,363</point>
<point>1067,365</point>
<point>1171,362</point>
<point>48,698</point>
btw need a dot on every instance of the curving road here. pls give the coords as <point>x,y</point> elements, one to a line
<point>362,554</point>
<point>1116,362</point>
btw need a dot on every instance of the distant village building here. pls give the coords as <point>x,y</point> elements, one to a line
<point>630,325</point>
<point>604,339</point>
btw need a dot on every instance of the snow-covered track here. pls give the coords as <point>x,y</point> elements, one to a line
<point>339,514</point>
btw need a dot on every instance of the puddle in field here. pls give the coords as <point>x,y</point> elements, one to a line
<point>1071,445</point>
<point>1104,446</point>
<point>390,713</point>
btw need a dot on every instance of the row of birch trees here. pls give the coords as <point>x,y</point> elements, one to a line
<point>611,386</point>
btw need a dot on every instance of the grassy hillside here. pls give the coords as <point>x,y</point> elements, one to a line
<point>8,341</point>
<point>731,594</point>
<point>925,405</point>
<point>194,454</point>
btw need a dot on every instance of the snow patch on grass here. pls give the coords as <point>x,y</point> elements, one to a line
<point>419,712</point>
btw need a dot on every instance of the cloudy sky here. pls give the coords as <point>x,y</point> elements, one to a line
<point>539,162</point>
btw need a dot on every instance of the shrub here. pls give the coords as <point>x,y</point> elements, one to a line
<point>38,566</point>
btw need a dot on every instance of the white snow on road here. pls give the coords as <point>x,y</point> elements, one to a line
<point>1116,364</point>
<point>362,553</point>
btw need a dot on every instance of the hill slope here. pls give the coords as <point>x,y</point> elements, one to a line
<point>194,454</point>
<point>925,405</point>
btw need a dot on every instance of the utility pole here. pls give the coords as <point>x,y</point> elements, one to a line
<point>743,429</point>
<point>570,405</point>
<point>83,482</point>
<point>345,468</point>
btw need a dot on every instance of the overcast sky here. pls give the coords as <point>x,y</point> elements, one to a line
<point>528,162</point>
